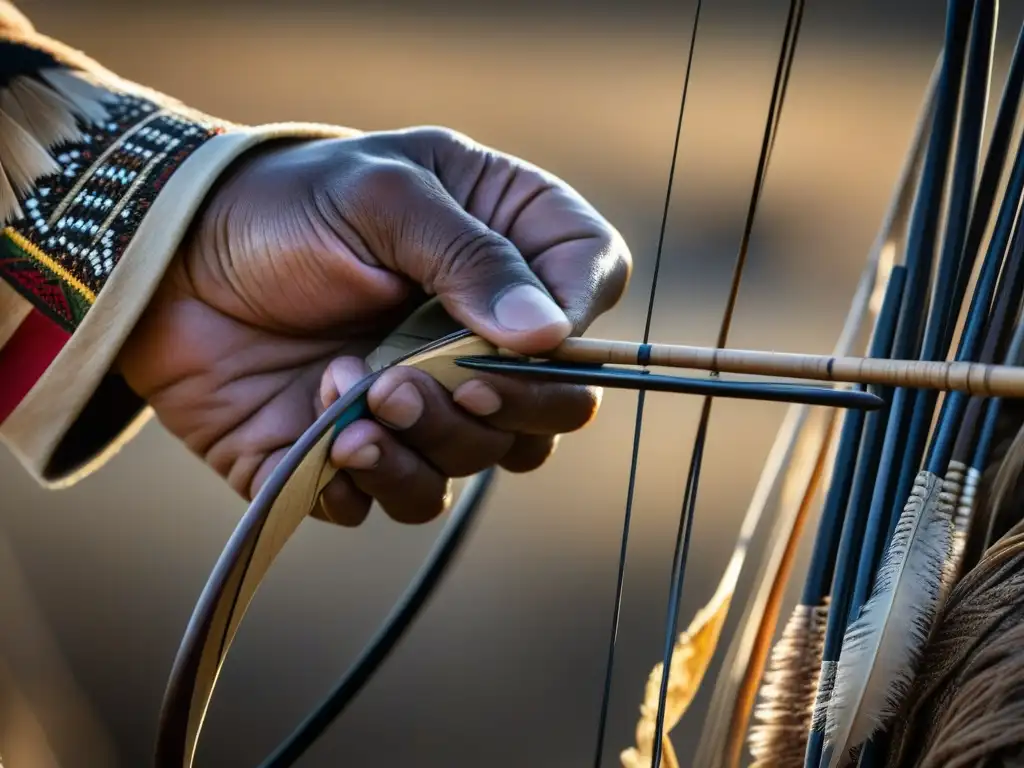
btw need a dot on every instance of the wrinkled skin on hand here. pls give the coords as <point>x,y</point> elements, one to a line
<point>308,254</point>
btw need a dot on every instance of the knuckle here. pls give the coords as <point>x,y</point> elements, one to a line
<point>384,180</point>
<point>431,146</point>
<point>459,465</point>
<point>342,508</point>
<point>620,266</point>
<point>529,455</point>
<point>464,459</point>
<point>402,470</point>
<point>562,408</point>
<point>427,506</point>
<point>585,404</point>
<point>440,142</point>
<point>468,250</point>
<point>613,268</point>
<point>437,135</point>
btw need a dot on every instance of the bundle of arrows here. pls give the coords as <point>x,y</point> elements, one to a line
<point>905,648</point>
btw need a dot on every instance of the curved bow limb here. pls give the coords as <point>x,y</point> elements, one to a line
<point>426,341</point>
<point>284,501</point>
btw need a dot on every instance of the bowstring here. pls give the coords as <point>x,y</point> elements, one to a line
<point>641,399</point>
<point>779,88</point>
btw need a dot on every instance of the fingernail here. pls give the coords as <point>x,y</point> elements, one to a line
<point>363,458</point>
<point>343,376</point>
<point>477,397</point>
<point>343,373</point>
<point>527,308</point>
<point>351,452</point>
<point>403,407</point>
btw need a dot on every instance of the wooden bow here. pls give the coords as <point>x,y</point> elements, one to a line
<point>905,367</point>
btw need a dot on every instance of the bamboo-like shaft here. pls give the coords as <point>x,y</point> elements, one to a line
<point>973,378</point>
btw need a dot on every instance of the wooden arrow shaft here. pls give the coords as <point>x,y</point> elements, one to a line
<point>973,378</point>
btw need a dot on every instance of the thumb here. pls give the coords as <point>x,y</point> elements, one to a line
<point>479,276</point>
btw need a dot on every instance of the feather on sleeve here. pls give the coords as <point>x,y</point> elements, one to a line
<point>99,180</point>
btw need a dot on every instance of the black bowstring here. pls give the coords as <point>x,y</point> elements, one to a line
<point>602,723</point>
<point>782,73</point>
<point>300,740</point>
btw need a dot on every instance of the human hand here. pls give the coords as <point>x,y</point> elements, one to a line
<point>307,255</point>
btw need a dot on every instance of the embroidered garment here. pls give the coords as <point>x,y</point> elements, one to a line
<point>99,180</point>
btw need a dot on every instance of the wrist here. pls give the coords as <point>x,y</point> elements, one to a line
<point>143,348</point>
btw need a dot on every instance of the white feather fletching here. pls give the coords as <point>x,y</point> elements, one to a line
<point>882,647</point>
<point>38,115</point>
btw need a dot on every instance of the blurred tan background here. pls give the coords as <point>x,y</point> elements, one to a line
<point>505,667</point>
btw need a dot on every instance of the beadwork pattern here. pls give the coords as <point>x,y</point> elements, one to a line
<point>79,222</point>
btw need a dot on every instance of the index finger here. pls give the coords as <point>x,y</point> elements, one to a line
<point>579,256</point>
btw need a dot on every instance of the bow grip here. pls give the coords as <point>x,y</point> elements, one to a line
<point>430,340</point>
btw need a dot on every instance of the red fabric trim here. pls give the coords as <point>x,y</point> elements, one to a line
<point>25,357</point>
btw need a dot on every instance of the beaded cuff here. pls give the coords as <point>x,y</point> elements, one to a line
<point>67,228</point>
<point>100,179</point>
